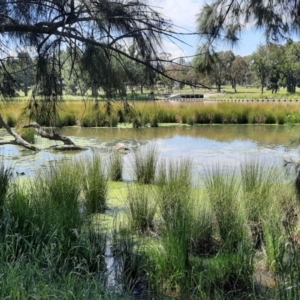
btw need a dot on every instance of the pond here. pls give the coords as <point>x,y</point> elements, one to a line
<point>206,145</point>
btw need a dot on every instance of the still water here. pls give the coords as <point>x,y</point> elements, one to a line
<point>207,145</point>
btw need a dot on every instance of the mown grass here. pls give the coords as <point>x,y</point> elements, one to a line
<point>254,92</point>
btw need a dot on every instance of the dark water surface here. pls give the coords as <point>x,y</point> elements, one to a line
<point>207,145</point>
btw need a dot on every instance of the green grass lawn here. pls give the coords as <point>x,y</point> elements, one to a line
<point>243,92</point>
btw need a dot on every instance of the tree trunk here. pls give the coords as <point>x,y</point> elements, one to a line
<point>262,83</point>
<point>18,140</point>
<point>218,85</point>
<point>26,89</point>
<point>291,88</point>
<point>94,92</point>
<point>67,143</point>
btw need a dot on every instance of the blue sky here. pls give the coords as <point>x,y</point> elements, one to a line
<point>183,13</point>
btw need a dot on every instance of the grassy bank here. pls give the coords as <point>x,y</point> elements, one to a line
<point>91,114</point>
<point>229,235</point>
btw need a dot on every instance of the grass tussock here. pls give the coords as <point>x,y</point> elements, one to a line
<point>115,166</point>
<point>95,185</point>
<point>141,207</point>
<point>145,160</point>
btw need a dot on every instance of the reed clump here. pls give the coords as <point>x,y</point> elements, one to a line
<point>141,207</point>
<point>95,185</point>
<point>144,164</point>
<point>46,244</point>
<point>115,166</point>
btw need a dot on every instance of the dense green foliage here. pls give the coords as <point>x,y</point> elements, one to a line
<point>226,235</point>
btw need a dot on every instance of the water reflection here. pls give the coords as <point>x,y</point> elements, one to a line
<point>206,145</point>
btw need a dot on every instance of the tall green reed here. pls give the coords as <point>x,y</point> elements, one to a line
<point>95,185</point>
<point>131,260</point>
<point>5,179</point>
<point>222,190</point>
<point>258,181</point>
<point>45,237</point>
<point>175,207</point>
<point>202,228</point>
<point>115,166</point>
<point>145,161</point>
<point>141,207</point>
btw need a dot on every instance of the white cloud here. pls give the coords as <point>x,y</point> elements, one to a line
<point>183,14</point>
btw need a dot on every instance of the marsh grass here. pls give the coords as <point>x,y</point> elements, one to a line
<point>144,164</point>
<point>200,248</point>
<point>174,190</point>
<point>115,166</point>
<point>132,261</point>
<point>11,120</point>
<point>100,114</point>
<point>95,185</point>
<point>143,113</point>
<point>5,179</point>
<point>174,200</point>
<point>59,187</point>
<point>258,181</point>
<point>66,119</point>
<point>141,204</point>
<point>223,189</point>
<point>202,228</point>
<point>28,135</point>
<point>46,246</point>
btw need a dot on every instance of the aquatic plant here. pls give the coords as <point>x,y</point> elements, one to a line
<point>141,207</point>
<point>5,179</point>
<point>95,185</point>
<point>42,245</point>
<point>11,120</point>
<point>258,180</point>
<point>132,261</point>
<point>222,190</point>
<point>174,200</point>
<point>144,164</point>
<point>115,166</point>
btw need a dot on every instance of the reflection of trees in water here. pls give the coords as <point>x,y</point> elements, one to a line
<point>261,134</point>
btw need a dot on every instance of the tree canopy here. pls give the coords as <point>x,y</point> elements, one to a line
<point>91,37</point>
<point>104,28</point>
<point>224,20</point>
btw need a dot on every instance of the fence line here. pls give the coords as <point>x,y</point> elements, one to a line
<point>185,100</point>
<point>234,100</point>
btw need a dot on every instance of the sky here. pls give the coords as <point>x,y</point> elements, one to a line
<point>183,13</point>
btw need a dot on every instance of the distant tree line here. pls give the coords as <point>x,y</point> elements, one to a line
<point>94,70</point>
<point>270,67</point>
